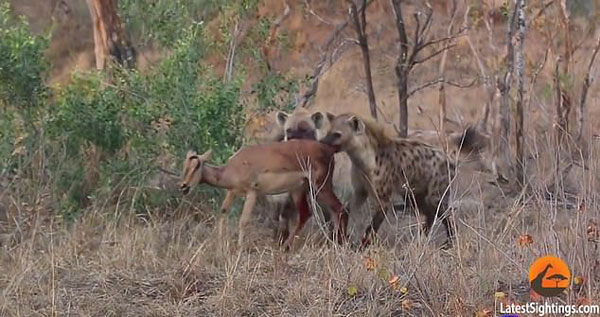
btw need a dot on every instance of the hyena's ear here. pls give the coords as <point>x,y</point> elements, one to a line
<point>357,125</point>
<point>317,118</point>
<point>281,118</point>
<point>330,116</point>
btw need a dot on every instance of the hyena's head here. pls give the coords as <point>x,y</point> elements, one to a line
<point>192,170</point>
<point>302,124</point>
<point>347,131</point>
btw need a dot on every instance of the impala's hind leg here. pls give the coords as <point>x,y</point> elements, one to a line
<point>299,198</point>
<point>327,197</point>
<point>285,211</point>
<point>245,217</point>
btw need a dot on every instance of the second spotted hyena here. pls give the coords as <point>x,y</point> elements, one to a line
<point>388,166</point>
<point>303,124</point>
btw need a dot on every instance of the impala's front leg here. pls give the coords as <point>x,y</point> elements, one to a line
<point>229,198</point>
<point>246,214</point>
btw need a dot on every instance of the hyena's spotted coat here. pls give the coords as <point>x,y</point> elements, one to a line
<point>384,167</point>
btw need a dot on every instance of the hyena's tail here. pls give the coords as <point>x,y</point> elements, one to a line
<point>471,141</point>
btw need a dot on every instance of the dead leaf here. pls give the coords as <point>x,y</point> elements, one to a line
<point>484,313</point>
<point>500,295</point>
<point>592,231</point>
<point>408,304</point>
<point>369,263</point>
<point>525,240</point>
<point>582,301</point>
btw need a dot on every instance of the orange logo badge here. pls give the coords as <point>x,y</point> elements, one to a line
<point>549,276</point>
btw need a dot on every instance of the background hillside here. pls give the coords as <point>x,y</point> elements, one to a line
<point>91,222</point>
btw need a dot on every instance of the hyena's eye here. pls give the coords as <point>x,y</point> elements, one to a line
<point>337,135</point>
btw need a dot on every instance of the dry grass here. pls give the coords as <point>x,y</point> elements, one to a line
<point>176,266</point>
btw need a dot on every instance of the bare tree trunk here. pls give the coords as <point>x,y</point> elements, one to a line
<point>402,70</point>
<point>565,21</point>
<point>110,39</point>
<point>584,90</point>
<point>504,84</point>
<point>360,24</point>
<point>442,92</point>
<point>563,107</point>
<point>520,72</point>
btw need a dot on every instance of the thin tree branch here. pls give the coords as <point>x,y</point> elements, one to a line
<point>320,68</point>
<point>535,75</point>
<point>443,39</point>
<point>541,11</point>
<point>434,54</point>
<point>312,12</point>
<point>441,80</point>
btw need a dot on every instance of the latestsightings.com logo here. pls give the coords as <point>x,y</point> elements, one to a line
<point>549,276</point>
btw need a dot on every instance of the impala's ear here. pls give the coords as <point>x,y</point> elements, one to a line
<point>281,118</point>
<point>317,118</point>
<point>206,156</point>
<point>356,124</point>
<point>190,154</point>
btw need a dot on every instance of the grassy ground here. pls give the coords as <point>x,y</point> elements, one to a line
<point>173,264</point>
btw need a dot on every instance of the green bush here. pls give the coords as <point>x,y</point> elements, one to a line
<point>23,69</point>
<point>137,118</point>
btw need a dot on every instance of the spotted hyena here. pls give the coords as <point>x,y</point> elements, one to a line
<point>384,166</point>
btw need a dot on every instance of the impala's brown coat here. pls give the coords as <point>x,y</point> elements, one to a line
<point>267,169</point>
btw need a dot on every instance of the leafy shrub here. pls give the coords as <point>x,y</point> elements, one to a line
<point>139,117</point>
<point>23,72</point>
<point>22,65</point>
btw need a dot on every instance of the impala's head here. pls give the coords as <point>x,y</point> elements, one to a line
<point>302,124</point>
<point>192,170</point>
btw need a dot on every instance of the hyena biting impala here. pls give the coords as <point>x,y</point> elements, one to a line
<point>300,125</point>
<point>385,166</point>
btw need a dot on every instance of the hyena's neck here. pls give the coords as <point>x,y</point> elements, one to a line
<point>362,157</point>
